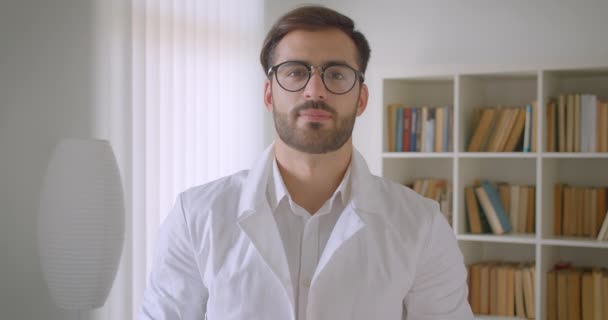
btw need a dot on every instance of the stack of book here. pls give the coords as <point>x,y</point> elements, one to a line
<point>577,293</point>
<point>500,208</point>
<point>580,211</point>
<point>577,123</point>
<point>502,289</point>
<point>437,189</point>
<point>504,129</point>
<point>423,129</point>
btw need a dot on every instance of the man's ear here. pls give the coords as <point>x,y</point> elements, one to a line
<point>268,94</point>
<point>363,96</point>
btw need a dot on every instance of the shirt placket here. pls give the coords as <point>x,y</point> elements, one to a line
<point>308,263</point>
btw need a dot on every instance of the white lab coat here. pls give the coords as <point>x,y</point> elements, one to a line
<point>220,252</point>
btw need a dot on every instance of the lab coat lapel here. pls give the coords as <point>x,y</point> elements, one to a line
<point>260,227</point>
<point>258,224</point>
<point>363,200</point>
<point>346,227</point>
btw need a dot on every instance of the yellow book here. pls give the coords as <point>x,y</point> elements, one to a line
<point>561,124</point>
<point>570,109</point>
<point>517,131</point>
<point>482,131</point>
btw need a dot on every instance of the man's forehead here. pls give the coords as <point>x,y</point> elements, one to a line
<point>317,47</point>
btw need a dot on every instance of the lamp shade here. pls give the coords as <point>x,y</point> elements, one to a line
<point>81,223</point>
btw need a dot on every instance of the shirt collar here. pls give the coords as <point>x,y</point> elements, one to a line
<point>277,190</point>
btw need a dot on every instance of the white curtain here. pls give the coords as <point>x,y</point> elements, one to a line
<point>197,99</point>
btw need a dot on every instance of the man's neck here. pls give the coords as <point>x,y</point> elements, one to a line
<point>312,179</point>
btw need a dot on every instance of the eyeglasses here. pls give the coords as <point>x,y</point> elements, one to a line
<point>337,78</point>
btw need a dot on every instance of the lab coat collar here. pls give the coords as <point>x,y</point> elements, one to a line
<point>257,222</point>
<point>362,185</point>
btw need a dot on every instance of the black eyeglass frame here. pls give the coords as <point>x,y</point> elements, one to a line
<point>360,75</point>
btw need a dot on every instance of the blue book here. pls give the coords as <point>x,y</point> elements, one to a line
<point>528,130</point>
<point>413,127</point>
<point>497,207</point>
<point>399,132</point>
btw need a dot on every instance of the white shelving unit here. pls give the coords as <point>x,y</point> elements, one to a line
<point>464,92</point>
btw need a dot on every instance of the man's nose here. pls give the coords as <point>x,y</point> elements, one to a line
<point>315,89</point>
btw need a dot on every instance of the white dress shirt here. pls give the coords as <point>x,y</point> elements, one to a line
<point>304,234</point>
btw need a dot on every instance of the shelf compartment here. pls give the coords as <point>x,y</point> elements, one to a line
<point>519,171</point>
<point>574,172</point>
<point>416,92</point>
<point>579,81</point>
<point>491,90</point>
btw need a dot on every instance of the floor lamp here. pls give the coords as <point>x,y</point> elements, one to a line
<point>81,223</point>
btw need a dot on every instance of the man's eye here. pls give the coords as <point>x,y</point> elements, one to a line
<point>336,76</point>
<point>296,73</point>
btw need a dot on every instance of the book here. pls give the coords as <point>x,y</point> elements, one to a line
<point>399,132</point>
<point>439,127</point>
<point>550,116</point>
<point>475,292</point>
<point>587,296</point>
<point>601,208</point>
<point>570,109</point>
<point>531,209</point>
<point>514,207</point>
<point>447,129</point>
<point>574,294</point>
<point>414,130</point>
<point>523,209</point>
<point>557,209</point>
<point>562,294</point>
<point>577,123</point>
<point>528,130</point>
<point>505,197</point>
<point>429,134</point>
<point>534,127</point>
<point>392,126</point>
<point>492,208</point>
<point>551,295</point>
<point>510,308</point>
<point>407,129</point>
<point>497,130</point>
<point>472,211</point>
<point>603,234</point>
<point>516,134</point>
<point>598,312</point>
<point>482,131</point>
<point>485,289</point>
<point>520,310</point>
<point>528,277</point>
<point>561,124</point>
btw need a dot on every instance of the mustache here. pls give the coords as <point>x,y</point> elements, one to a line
<point>318,105</point>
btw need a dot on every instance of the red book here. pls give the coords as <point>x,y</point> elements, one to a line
<point>407,129</point>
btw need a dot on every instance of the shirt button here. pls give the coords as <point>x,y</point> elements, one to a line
<point>306,283</point>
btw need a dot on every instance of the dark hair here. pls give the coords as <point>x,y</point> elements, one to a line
<point>313,18</point>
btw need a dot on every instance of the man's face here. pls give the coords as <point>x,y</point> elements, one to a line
<point>315,120</point>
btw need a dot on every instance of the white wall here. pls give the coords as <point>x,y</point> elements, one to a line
<point>449,35</point>
<point>45,95</point>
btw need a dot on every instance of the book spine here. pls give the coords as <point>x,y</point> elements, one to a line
<point>528,129</point>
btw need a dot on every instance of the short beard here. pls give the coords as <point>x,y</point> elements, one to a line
<point>314,139</point>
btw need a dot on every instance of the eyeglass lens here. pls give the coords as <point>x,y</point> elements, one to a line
<point>294,76</point>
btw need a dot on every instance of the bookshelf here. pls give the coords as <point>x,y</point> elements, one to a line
<point>463,92</point>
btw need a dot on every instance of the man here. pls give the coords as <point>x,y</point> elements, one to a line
<point>308,232</point>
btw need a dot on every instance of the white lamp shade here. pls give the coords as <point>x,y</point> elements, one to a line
<point>81,223</point>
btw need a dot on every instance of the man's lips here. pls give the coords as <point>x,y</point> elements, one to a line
<point>313,114</point>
